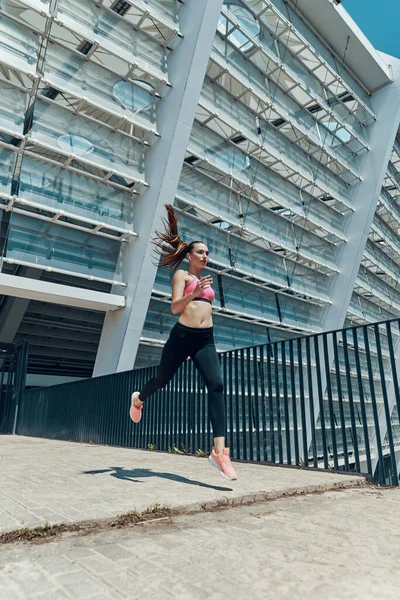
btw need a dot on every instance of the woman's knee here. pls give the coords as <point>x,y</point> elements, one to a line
<point>216,386</point>
<point>162,382</point>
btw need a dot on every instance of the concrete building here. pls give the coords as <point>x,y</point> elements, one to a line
<point>270,124</point>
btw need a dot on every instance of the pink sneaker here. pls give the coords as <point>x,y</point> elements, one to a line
<point>222,462</point>
<point>135,413</point>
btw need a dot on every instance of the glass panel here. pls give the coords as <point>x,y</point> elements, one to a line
<point>272,186</point>
<point>299,314</point>
<point>12,108</point>
<point>7,159</point>
<point>49,244</point>
<point>65,190</point>
<point>93,23</point>
<point>82,78</point>
<point>18,46</point>
<point>245,19</point>
<point>367,310</point>
<point>220,153</point>
<point>105,148</point>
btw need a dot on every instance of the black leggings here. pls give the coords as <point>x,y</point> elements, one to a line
<point>200,346</point>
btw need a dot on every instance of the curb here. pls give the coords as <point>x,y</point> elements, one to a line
<point>50,533</point>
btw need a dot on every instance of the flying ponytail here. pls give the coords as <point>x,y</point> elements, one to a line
<point>169,245</point>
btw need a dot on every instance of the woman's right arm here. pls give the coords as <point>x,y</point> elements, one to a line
<point>179,302</point>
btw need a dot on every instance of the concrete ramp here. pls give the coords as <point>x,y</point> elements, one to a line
<point>50,481</point>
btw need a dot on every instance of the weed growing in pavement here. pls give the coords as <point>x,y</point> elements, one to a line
<point>46,531</point>
<point>173,449</point>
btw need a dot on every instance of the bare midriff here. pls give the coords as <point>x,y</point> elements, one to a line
<point>197,314</point>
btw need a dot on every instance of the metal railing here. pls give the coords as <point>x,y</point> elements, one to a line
<point>327,400</point>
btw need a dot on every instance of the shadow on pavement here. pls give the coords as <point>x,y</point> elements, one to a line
<point>135,475</point>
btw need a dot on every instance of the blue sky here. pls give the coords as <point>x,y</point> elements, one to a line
<point>380,22</point>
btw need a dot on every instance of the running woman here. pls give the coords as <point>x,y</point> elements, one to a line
<point>192,336</point>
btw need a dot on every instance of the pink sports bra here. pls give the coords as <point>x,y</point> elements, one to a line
<point>207,295</point>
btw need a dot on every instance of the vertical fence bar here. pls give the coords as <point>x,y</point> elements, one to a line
<point>185,393</point>
<point>294,403</point>
<point>270,404</point>
<point>250,403</point>
<point>231,406</point>
<point>167,417</point>
<point>197,442</point>
<point>263,404</point>
<point>137,430</point>
<point>340,399</point>
<point>151,435</point>
<point>302,402</point>
<point>394,475</point>
<point>181,409</point>
<point>321,400</point>
<point>174,402</point>
<point>332,417</point>
<point>354,434</point>
<point>311,402</point>
<point>243,395</point>
<point>192,407</point>
<point>362,402</point>
<point>204,415</point>
<point>393,367</point>
<point>160,419</point>
<point>286,403</point>
<point>237,403</point>
<point>256,412</point>
<point>278,401</point>
<point>3,400</point>
<point>374,406</point>
<point>225,383</point>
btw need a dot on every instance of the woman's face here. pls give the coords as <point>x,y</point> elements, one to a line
<point>199,256</point>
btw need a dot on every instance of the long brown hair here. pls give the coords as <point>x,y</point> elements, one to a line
<point>169,245</point>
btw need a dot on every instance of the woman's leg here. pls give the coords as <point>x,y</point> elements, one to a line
<point>207,362</point>
<point>173,355</point>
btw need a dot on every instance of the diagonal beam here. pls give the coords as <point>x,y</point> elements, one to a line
<point>187,65</point>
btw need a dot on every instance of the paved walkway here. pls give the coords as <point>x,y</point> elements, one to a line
<point>56,482</point>
<point>336,546</point>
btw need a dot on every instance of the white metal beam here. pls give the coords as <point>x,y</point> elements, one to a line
<point>45,291</point>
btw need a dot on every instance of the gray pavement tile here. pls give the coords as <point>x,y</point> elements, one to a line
<point>81,584</point>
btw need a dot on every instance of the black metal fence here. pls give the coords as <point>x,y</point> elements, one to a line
<point>13,363</point>
<point>328,400</point>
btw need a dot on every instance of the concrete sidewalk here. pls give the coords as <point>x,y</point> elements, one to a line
<point>336,546</point>
<point>58,482</point>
